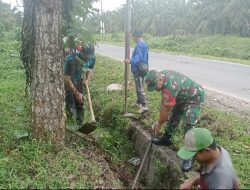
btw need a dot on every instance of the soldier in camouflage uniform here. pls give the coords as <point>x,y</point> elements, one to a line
<point>181,98</point>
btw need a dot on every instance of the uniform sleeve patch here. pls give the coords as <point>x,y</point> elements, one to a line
<point>168,98</point>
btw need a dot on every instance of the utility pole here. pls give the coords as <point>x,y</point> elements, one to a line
<point>127,49</point>
<point>101,21</point>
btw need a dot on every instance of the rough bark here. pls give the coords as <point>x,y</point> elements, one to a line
<point>46,70</point>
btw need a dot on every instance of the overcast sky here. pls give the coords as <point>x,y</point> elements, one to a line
<point>109,4</point>
<point>106,4</point>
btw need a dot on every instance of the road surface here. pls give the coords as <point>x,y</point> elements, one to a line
<point>227,78</point>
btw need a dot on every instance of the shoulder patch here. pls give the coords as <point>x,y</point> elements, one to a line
<point>168,99</point>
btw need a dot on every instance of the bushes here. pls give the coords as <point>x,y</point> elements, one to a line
<point>218,46</point>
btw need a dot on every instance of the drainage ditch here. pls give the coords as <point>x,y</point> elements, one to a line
<point>161,169</point>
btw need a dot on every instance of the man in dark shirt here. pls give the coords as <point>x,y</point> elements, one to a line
<point>217,170</point>
<point>77,72</point>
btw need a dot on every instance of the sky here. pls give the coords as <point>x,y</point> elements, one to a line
<point>109,4</point>
<point>12,2</point>
<point>106,4</point>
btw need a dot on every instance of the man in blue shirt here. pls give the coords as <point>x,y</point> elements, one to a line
<point>139,67</point>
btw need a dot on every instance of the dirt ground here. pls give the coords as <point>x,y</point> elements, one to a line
<point>216,100</point>
<point>110,171</point>
<point>228,104</point>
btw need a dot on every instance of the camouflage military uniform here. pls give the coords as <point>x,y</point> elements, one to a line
<point>185,96</point>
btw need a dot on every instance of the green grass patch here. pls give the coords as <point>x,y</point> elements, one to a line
<point>225,48</point>
<point>229,130</point>
<point>25,163</point>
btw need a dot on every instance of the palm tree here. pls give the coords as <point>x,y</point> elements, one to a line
<point>180,17</point>
<point>238,12</point>
<point>164,17</point>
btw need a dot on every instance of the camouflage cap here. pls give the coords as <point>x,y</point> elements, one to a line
<point>195,140</point>
<point>151,80</point>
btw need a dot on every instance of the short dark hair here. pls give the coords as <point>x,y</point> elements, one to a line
<point>88,49</point>
<point>213,146</point>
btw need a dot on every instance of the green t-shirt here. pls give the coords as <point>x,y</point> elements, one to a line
<point>75,67</point>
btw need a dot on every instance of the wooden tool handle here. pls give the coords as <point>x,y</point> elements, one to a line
<point>141,166</point>
<point>90,105</point>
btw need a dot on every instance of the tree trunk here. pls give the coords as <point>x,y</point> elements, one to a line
<point>45,57</point>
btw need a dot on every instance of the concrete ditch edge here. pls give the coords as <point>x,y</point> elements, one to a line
<point>161,169</point>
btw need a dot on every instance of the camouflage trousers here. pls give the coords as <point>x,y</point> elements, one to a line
<point>189,112</point>
<point>75,110</point>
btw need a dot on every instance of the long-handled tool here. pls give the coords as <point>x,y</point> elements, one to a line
<point>143,160</point>
<point>142,163</point>
<point>127,55</point>
<point>89,127</point>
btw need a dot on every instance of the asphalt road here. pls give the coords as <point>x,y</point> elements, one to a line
<point>227,78</point>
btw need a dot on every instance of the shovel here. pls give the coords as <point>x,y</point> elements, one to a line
<point>89,127</point>
<point>143,161</point>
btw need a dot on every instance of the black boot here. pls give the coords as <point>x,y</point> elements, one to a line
<point>164,140</point>
<point>187,165</point>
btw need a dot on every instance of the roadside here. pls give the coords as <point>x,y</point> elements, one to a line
<point>228,104</point>
<point>223,77</point>
<point>220,101</point>
<point>223,48</point>
<point>25,163</point>
<point>230,130</point>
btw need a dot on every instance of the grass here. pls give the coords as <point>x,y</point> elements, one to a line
<point>25,163</point>
<point>224,48</point>
<point>229,130</point>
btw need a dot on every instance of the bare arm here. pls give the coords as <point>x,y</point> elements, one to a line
<point>190,183</point>
<point>196,180</point>
<point>164,114</point>
<point>88,76</point>
<point>69,84</point>
<point>72,88</point>
<point>237,185</point>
